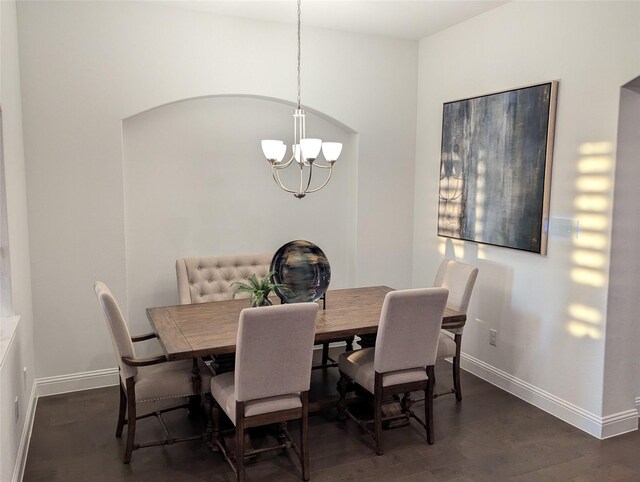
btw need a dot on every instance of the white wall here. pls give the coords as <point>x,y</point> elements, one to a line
<point>549,311</point>
<point>20,354</point>
<point>86,66</point>
<point>195,186</point>
<point>622,352</point>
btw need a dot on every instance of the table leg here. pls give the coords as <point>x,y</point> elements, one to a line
<point>194,400</point>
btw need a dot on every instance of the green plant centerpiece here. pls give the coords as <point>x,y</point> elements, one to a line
<point>259,289</point>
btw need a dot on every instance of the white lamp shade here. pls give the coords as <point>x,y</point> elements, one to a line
<point>331,150</point>
<point>282,152</point>
<point>310,148</point>
<point>273,150</point>
<point>296,151</point>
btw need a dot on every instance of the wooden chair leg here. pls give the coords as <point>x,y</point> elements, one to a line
<point>122,411</point>
<point>325,354</point>
<point>131,420</point>
<point>456,368</point>
<point>377,416</point>
<point>282,431</point>
<point>215,417</point>
<point>428,405</point>
<point>208,411</point>
<point>240,441</point>
<point>304,437</point>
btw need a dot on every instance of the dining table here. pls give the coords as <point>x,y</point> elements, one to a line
<point>210,329</point>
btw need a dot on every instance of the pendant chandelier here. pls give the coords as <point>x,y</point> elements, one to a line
<point>304,150</point>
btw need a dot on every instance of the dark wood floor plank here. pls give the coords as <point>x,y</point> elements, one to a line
<point>490,436</point>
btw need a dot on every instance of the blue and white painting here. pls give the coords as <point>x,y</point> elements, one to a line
<point>493,169</point>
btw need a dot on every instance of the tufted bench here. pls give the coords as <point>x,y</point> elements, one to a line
<point>210,278</point>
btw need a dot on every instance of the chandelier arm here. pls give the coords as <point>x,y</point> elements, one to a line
<point>279,165</point>
<point>323,184</point>
<point>323,166</point>
<point>276,178</point>
<point>306,189</point>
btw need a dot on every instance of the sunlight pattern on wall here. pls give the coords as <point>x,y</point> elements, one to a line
<point>589,262</point>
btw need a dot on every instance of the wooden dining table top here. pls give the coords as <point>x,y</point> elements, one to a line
<point>209,329</point>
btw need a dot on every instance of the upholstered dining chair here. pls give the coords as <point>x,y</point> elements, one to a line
<point>401,361</point>
<point>268,385</point>
<point>459,278</point>
<point>148,386</point>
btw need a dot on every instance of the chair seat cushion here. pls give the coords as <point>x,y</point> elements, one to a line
<point>358,365</point>
<point>169,380</point>
<point>446,347</point>
<point>223,390</point>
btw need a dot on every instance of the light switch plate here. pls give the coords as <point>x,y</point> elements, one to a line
<point>564,228</point>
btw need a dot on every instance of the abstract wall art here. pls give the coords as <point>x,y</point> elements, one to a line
<point>495,167</point>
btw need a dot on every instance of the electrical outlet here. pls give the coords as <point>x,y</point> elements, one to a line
<point>493,337</point>
<point>17,409</point>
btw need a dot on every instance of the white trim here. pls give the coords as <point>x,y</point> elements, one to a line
<point>619,423</point>
<point>600,427</point>
<point>638,403</point>
<point>25,438</point>
<point>76,381</point>
<point>8,328</point>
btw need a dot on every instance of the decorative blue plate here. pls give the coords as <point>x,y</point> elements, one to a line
<point>304,269</point>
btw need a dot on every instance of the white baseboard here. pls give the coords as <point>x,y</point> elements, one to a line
<point>76,381</point>
<point>600,427</point>
<point>23,448</point>
<point>619,423</point>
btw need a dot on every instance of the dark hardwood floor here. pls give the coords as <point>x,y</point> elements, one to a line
<point>490,436</point>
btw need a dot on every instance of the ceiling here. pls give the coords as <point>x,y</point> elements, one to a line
<point>413,19</point>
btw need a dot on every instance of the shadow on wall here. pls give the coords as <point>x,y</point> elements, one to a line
<point>495,283</point>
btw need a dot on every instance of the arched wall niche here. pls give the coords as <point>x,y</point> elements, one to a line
<point>196,184</point>
<point>292,105</point>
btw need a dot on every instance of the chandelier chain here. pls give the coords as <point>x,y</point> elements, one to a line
<point>299,45</point>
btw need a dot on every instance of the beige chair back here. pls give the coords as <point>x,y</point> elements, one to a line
<point>210,278</point>
<point>274,350</point>
<point>409,329</point>
<point>118,329</point>
<point>459,278</point>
